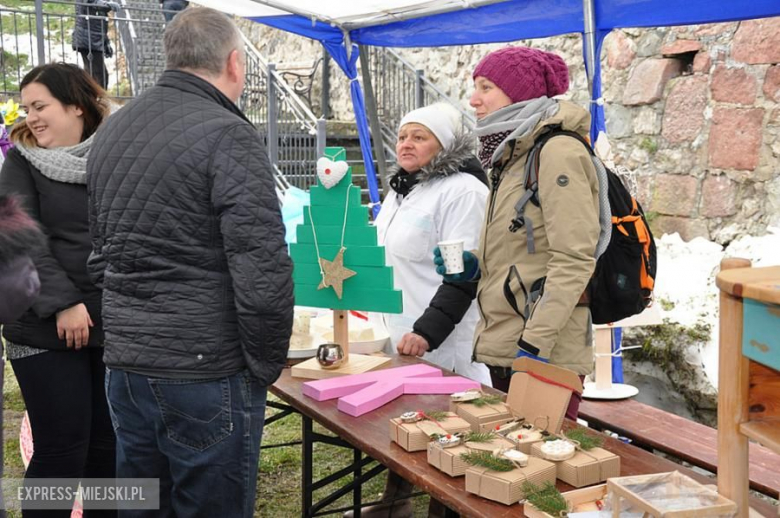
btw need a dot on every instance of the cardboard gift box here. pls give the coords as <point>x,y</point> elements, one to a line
<point>415,436</point>
<point>482,418</point>
<point>507,486</point>
<point>586,467</point>
<point>585,500</point>
<point>540,393</point>
<point>448,459</point>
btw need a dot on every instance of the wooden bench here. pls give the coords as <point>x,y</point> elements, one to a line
<point>695,443</point>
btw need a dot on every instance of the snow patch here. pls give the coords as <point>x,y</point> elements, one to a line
<point>686,279</point>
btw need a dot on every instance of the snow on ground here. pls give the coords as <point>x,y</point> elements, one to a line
<point>686,279</point>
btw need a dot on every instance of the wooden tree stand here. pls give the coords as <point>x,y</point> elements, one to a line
<point>353,363</point>
<point>602,387</point>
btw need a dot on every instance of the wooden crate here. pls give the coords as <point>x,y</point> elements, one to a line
<point>669,485</point>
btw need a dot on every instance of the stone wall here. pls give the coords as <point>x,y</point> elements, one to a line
<point>693,110</point>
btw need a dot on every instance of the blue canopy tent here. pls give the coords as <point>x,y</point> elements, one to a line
<point>341,26</point>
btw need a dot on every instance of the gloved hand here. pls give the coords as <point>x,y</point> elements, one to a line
<point>524,354</point>
<point>526,350</point>
<point>470,267</point>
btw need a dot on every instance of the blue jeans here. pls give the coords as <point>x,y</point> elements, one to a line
<point>201,438</point>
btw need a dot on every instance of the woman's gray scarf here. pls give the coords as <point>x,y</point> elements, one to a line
<point>513,121</point>
<point>62,164</point>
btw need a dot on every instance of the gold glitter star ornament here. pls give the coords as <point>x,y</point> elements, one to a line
<point>334,273</point>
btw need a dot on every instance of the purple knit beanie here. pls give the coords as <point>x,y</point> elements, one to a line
<point>523,73</point>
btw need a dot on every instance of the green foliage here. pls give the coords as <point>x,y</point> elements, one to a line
<point>666,304</point>
<point>546,498</point>
<point>485,399</point>
<point>12,68</point>
<point>479,437</point>
<point>486,459</point>
<point>586,440</point>
<point>649,144</point>
<point>665,346</point>
<point>435,415</point>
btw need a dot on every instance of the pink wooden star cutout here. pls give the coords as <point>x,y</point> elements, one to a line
<point>362,393</point>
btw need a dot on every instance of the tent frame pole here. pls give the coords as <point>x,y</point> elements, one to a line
<point>589,42</point>
<point>373,117</point>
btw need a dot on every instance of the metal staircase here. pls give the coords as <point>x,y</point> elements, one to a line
<point>294,137</point>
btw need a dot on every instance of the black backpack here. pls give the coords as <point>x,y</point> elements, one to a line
<point>622,284</point>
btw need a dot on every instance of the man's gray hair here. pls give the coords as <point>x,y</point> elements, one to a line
<point>200,39</point>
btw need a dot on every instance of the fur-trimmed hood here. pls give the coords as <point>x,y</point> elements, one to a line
<point>19,233</point>
<point>456,158</point>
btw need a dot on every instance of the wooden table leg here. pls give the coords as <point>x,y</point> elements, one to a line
<point>733,376</point>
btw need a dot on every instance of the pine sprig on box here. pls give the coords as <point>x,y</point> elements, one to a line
<point>586,440</point>
<point>436,415</point>
<point>546,498</point>
<point>485,399</point>
<point>479,437</point>
<point>487,460</point>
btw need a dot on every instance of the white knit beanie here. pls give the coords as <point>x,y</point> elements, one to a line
<point>441,119</point>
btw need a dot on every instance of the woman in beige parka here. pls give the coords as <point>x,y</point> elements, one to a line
<point>532,280</point>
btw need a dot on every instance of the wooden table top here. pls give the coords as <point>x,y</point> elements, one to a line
<point>761,284</point>
<point>370,433</point>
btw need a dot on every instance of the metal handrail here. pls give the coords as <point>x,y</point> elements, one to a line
<point>294,137</point>
<point>296,103</point>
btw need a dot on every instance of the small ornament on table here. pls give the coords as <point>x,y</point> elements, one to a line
<point>516,456</point>
<point>330,356</point>
<point>411,417</point>
<point>558,450</point>
<point>506,428</point>
<point>449,440</point>
<point>466,395</point>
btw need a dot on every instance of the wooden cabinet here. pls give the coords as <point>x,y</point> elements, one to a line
<point>749,371</point>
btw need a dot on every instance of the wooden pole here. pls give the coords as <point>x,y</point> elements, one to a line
<point>341,331</point>
<point>733,376</point>
<point>603,353</point>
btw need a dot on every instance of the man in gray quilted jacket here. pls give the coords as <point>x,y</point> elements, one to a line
<point>188,244</point>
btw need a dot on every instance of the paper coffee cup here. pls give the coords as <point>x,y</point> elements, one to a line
<point>452,253</point>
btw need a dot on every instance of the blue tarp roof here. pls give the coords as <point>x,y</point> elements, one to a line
<point>395,23</point>
<point>513,20</point>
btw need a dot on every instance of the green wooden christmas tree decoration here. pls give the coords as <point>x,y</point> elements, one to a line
<point>338,263</point>
<point>336,232</point>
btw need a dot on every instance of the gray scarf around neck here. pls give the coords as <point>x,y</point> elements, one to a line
<point>62,164</point>
<point>519,119</point>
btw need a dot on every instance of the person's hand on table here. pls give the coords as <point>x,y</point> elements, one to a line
<point>412,344</point>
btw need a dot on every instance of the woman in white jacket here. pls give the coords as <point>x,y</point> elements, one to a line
<point>438,193</point>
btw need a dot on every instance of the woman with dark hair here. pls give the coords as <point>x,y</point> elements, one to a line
<point>55,348</point>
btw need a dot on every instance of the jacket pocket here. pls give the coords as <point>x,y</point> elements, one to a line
<point>513,284</point>
<point>411,234</point>
<point>196,413</point>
